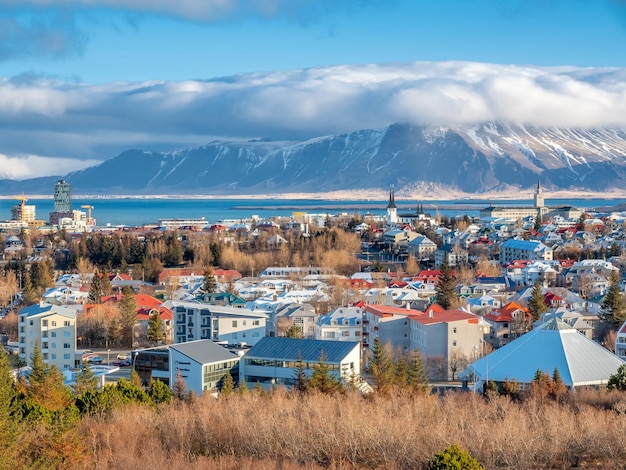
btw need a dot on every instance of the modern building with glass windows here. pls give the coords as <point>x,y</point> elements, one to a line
<point>272,361</point>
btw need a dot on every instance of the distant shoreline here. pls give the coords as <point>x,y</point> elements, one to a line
<point>356,195</point>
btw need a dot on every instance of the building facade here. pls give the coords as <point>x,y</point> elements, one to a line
<point>51,327</point>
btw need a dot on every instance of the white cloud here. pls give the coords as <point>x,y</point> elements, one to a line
<point>32,166</point>
<point>80,121</point>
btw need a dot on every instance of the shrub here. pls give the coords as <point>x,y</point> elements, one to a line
<point>454,458</point>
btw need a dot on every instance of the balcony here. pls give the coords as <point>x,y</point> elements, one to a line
<point>366,321</point>
<point>366,333</point>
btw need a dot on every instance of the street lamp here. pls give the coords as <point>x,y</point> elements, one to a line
<point>108,357</point>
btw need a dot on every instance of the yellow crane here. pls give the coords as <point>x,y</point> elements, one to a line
<point>22,211</point>
<point>89,209</point>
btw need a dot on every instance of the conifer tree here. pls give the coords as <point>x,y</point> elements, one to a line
<point>128,314</point>
<point>105,283</point>
<point>536,303</point>
<point>401,373</point>
<point>29,296</point>
<point>243,387</point>
<point>294,331</point>
<point>135,379</point>
<point>382,366</point>
<point>446,294</point>
<point>228,385</point>
<point>417,378</point>
<point>210,284</point>
<point>85,380</point>
<point>159,392</point>
<point>302,381</point>
<point>155,328</point>
<point>322,378</point>
<point>557,387</point>
<point>617,381</point>
<point>613,307</point>
<point>95,289</point>
<point>45,384</point>
<point>179,387</point>
<point>8,423</point>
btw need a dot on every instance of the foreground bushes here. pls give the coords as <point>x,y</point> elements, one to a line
<point>344,431</point>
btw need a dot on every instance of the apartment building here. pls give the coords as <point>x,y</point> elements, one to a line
<point>53,328</point>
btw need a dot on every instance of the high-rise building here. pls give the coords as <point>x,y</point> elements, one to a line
<point>62,202</point>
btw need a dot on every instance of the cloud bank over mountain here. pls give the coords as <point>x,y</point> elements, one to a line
<point>59,119</point>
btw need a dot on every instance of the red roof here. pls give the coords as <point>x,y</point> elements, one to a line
<point>164,312</point>
<point>433,316</point>
<point>387,311</point>
<point>519,263</point>
<point>505,313</point>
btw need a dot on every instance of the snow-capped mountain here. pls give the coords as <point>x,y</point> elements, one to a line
<point>479,158</point>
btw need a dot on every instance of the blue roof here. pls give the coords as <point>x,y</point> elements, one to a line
<point>310,350</point>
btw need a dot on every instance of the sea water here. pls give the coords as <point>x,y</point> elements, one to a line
<point>133,211</point>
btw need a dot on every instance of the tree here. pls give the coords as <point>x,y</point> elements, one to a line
<point>105,283</point>
<point>155,328</point>
<point>294,331</point>
<point>456,360</point>
<point>417,378</point>
<point>302,382</point>
<point>95,289</point>
<point>243,387</point>
<point>210,284</point>
<point>128,314</point>
<point>536,304</point>
<point>85,380</point>
<point>613,307</point>
<point>322,378</point>
<point>228,385</point>
<point>179,387</point>
<point>382,366</point>
<point>159,392</point>
<point>29,296</point>
<point>411,266</point>
<point>557,388</point>
<point>446,294</point>
<point>617,381</point>
<point>216,252</point>
<point>8,424</point>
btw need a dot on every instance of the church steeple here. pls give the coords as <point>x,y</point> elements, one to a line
<point>392,199</point>
<point>539,202</point>
<point>392,215</point>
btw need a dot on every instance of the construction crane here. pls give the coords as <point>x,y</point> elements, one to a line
<point>22,211</point>
<point>89,209</point>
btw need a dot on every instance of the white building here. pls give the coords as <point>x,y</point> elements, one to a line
<point>515,249</point>
<point>196,320</point>
<point>344,324</point>
<point>202,365</point>
<point>53,328</point>
<point>620,342</point>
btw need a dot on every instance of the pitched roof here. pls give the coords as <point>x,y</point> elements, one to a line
<point>386,310</point>
<point>204,351</point>
<point>445,316</point>
<point>309,350</point>
<point>44,308</point>
<point>505,313</point>
<point>554,345</point>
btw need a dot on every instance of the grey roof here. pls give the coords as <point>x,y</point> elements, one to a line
<point>579,360</point>
<point>46,308</point>
<point>204,351</point>
<point>288,349</point>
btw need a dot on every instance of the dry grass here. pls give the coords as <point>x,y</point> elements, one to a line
<point>348,431</point>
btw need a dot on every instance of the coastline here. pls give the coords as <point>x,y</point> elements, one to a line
<point>356,195</point>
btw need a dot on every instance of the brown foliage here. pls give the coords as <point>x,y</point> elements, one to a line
<point>349,431</point>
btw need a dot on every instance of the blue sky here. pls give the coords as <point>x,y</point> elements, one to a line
<point>81,80</point>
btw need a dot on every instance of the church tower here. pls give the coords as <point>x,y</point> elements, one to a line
<point>539,196</point>
<point>392,210</point>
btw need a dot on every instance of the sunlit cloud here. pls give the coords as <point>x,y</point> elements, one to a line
<point>95,122</point>
<point>32,166</point>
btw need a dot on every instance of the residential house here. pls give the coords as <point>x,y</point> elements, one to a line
<point>515,249</point>
<point>508,323</point>
<point>343,324</point>
<point>620,342</point>
<point>422,247</point>
<point>456,255</point>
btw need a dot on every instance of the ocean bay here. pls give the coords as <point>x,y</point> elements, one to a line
<point>136,211</point>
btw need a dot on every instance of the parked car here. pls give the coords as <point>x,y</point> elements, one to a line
<point>94,360</point>
<point>125,363</point>
<point>123,357</point>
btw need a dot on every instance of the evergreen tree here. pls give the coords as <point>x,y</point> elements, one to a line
<point>85,380</point>
<point>105,283</point>
<point>401,375</point>
<point>8,423</point>
<point>613,307</point>
<point>322,378</point>
<point>159,392</point>
<point>128,314</point>
<point>230,287</point>
<point>617,381</point>
<point>228,385</point>
<point>155,328</point>
<point>45,384</point>
<point>417,377</point>
<point>135,379</point>
<point>174,250</point>
<point>536,304</point>
<point>243,387</point>
<point>302,381</point>
<point>558,390</point>
<point>446,294</point>
<point>382,366</point>
<point>216,252</point>
<point>95,289</point>
<point>537,225</point>
<point>210,284</point>
<point>29,296</point>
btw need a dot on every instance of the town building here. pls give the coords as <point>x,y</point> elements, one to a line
<point>62,202</point>
<point>343,324</point>
<point>273,361</point>
<point>51,327</point>
<point>516,249</point>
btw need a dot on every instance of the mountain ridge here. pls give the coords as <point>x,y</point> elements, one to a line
<point>482,158</point>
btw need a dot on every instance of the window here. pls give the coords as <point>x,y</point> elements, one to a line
<point>53,345</point>
<point>31,323</point>
<point>454,343</point>
<point>244,322</point>
<point>234,323</point>
<point>53,356</point>
<point>66,356</point>
<point>346,333</point>
<point>66,346</point>
<point>66,323</point>
<point>256,322</point>
<point>54,323</point>
<point>454,330</point>
<point>44,322</point>
<point>66,334</point>
<point>53,334</point>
